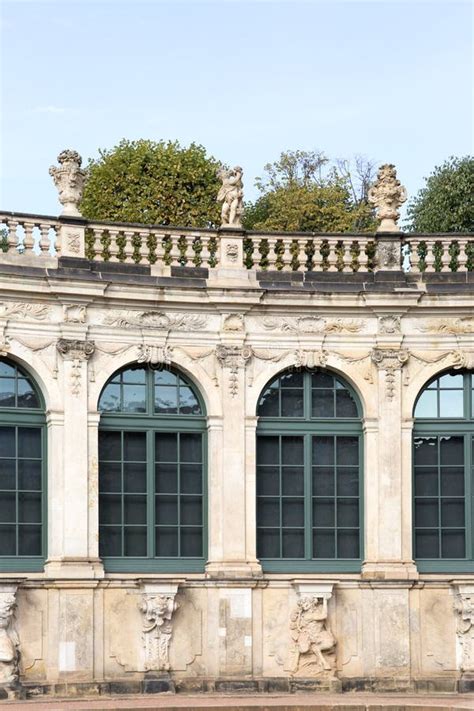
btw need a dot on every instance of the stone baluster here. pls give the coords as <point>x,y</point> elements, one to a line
<point>430,257</point>
<point>445,256</point>
<point>347,256</point>
<point>272,255</point>
<point>302,257</point>
<point>128,247</point>
<point>28,239</point>
<point>287,256</point>
<point>44,240</point>
<point>462,256</point>
<point>113,246</point>
<point>143,250</point>
<point>189,253</point>
<point>174,253</point>
<point>332,256</point>
<point>362,258</point>
<point>98,247</point>
<point>12,238</point>
<point>205,249</point>
<point>414,256</point>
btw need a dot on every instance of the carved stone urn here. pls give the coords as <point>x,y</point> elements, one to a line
<point>69,179</point>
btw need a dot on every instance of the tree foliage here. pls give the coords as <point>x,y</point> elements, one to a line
<point>303,191</point>
<point>446,203</point>
<point>153,183</point>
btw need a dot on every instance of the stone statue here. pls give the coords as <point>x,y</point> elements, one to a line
<point>231,195</point>
<point>69,179</point>
<point>311,637</point>
<point>157,630</point>
<point>387,194</point>
<point>9,642</point>
<point>464,607</point>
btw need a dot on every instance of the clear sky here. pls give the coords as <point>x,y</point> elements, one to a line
<point>390,80</point>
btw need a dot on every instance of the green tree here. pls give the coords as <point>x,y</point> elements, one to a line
<point>302,191</point>
<point>153,183</point>
<point>446,203</point>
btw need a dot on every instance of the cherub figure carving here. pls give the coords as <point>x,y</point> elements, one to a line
<point>387,195</point>
<point>311,637</point>
<point>231,195</point>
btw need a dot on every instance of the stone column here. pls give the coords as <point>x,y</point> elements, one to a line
<point>386,556</point>
<point>9,642</point>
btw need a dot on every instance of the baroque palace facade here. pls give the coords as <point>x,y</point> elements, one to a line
<point>233,460</point>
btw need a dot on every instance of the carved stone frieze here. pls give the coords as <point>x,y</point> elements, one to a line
<point>464,610</point>
<point>157,320</point>
<point>447,325</point>
<point>157,608</point>
<point>154,355</point>
<point>233,358</point>
<point>313,324</point>
<point>390,360</point>
<point>389,324</point>
<point>9,641</point>
<point>312,642</point>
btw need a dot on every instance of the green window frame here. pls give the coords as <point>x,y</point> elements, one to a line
<point>309,474</point>
<point>443,474</point>
<point>23,495</point>
<point>152,472</point>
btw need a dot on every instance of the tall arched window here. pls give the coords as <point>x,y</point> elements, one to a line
<point>22,471</point>
<point>152,483</point>
<point>309,454</point>
<point>443,471</point>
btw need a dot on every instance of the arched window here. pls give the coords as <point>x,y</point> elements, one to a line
<point>309,453</point>
<point>22,471</point>
<point>152,483</point>
<point>443,470</point>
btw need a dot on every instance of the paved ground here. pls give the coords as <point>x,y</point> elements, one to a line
<point>269,702</point>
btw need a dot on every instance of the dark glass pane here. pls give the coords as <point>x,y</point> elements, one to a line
<point>29,540</point>
<point>166,478</point>
<point>134,509</point>
<point>427,544</point>
<point>110,399</point>
<point>293,544</point>
<point>7,442</point>
<point>7,370</point>
<point>26,395</point>
<point>7,392</point>
<point>292,450</point>
<point>191,479</point>
<point>166,510</point>
<point>324,544</point>
<point>323,450</point>
<point>134,375</point>
<point>110,445</point>
<point>452,512</point>
<point>345,404</point>
<point>292,403</point>
<point>453,544</point>
<point>348,544</point>
<point>268,481</point>
<point>321,379</point>
<point>190,446</point>
<point>426,512</point>
<point>291,380</point>
<point>166,447</point>
<point>452,450</point>
<point>292,481</point>
<point>110,508</point>
<point>134,446</point>
<point>323,481</point>
<point>451,380</point>
<point>292,512</point>
<point>7,473</point>
<point>191,542</point>
<point>166,540</point>
<point>191,511</point>
<point>268,450</point>
<point>7,508</point>
<point>426,450</point>
<point>133,398</point>
<point>134,539</point>
<point>323,512</point>
<point>268,405</point>
<point>348,481</point>
<point>110,476</point>
<point>29,442</point>
<point>110,541</point>
<point>427,405</point>
<point>165,377</point>
<point>188,402</point>
<point>426,481</point>
<point>322,403</point>
<point>268,543</point>
<point>347,450</point>
<point>29,473</point>
<point>347,512</point>
<point>268,512</point>
<point>7,540</point>
<point>134,478</point>
<point>451,403</point>
<point>29,508</point>
<point>166,399</point>
<point>452,481</point>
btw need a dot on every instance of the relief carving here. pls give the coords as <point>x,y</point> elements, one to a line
<point>74,313</point>
<point>313,324</point>
<point>9,641</point>
<point>311,359</point>
<point>390,324</point>
<point>156,319</point>
<point>464,609</point>
<point>156,356</point>
<point>313,645</point>
<point>77,352</point>
<point>448,325</point>
<point>157,629</point>
<point>22,309</point>
<point>390,360</point>
<point>233,358</point>
<point>234,322</point>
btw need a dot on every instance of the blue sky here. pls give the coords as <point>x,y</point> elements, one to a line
<point>390,80</point>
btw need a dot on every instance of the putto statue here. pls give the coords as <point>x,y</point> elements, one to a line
<point>231,195</point>
<point>69,179</point>
<point>387,195</point>
<point>311,637</point>
<point>9,643</point>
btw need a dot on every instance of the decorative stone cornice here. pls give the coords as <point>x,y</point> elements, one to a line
<point>75,350</point>
<point>390,360</point>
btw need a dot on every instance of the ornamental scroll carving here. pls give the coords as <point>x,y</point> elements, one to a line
<point>9,640</point>
<point>313,324</point>
<point>156,356</point>
<point>452,326</point>
<point>157,609</point>
<point>156,320</point>
<point>312,651</point>
<point>390,360</point>
<point>77,352</point>
<point>464,610</point>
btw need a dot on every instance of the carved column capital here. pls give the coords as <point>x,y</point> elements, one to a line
<point>233,357</point>
<point>390,360</point>
<point>157,605</point>
<point>71,349</point>
<point>9,641</point>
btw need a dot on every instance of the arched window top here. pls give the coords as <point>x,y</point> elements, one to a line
<point>315,394</point>
<point>450,396</point>
<point>17,390</point>
<point>140,390</point>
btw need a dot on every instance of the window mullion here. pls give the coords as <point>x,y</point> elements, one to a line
<point>308,496</point>
<point>150,492</point>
